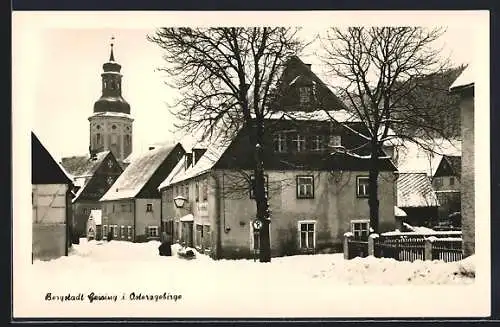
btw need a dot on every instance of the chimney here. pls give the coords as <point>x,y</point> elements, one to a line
<point>151,148</point>
<point>308,66</point>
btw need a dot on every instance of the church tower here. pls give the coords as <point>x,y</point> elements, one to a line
<point>111,123</point>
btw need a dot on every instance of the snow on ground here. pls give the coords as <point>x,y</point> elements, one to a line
<point>310,285</point>
<point>117,260</point>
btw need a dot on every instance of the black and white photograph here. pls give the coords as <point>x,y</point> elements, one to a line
<point>251,164</point>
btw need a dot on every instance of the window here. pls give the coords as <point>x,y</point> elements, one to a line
<point>305,187</point>
<point>252,186</point>
<point>109,180</point>
<point>452,181</point>
<point>85,211</point>
<point>362,183</point>
<point>280,142</point>
<point>186,190</point>
<point>317,143</point>
<point>360,229</point>
<point>206,237</point>
<point>104,231</point>
<point>307,237</point>
<point>110,163</point>
<point>305,94</point>
<point>197,192</point>
<point>122,232</point>
<point>205,190</point>
<point>129,232</point>
<point>438,181</point>
<point>152,231</point>
<point>114,230</point>
<point>113,207</point>
<point>149,207</point>
<point>124,207</point>
<point>300,142</point>
<point>335,140</point>
<point>98,138</point>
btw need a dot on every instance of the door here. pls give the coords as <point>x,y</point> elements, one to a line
<point>187,233</point>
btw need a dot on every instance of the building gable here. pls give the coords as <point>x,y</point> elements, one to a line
<point>298,81</point>
<point>104,175</point>
<point>44,169</point>
<point>449,166</point>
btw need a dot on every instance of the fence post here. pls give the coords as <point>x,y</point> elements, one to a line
<point>347,237</point>
<point>371,244</point>
<point>428,248</point>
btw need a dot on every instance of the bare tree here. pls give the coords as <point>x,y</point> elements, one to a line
<point>225,77</point>
<point>378,71</point>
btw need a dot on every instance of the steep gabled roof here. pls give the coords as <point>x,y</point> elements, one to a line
<point>415,190</point>
<point>464,80</point>
<point>137,174</point>
<point>449,165</point>
<point>83,165</point>
<point>297,72</point>
<point>44,169</point>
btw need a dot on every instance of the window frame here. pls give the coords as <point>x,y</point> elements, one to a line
<point>317,143</point>
<point>360,221</point>
<point>205,190</point>
<point>438,181</point>
<point>149,207</point>
<point>129,232</point>
<point>280,143</point>
<point>299,230</point>
<point>297,187</point>
<point>197,192</point>
<point>358,194</point>
<point>305,94</point>
<point>452,181</point>
<point>122,232</point>
<point>252,183</point>
<point>152,227</point>
<point>299,139</point>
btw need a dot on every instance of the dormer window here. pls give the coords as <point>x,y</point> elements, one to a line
<point>305,94</point>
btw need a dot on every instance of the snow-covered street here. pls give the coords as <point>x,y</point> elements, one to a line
<point>132,280</point>
<point>120,262</point>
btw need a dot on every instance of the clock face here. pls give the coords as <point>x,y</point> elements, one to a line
<point>110,180</point>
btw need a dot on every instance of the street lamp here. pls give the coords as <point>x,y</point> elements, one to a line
<point>179,201</point>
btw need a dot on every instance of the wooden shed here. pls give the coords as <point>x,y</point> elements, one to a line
<point>51,204</point>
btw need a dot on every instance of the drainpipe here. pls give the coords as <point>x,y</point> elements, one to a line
<point>217,211</point>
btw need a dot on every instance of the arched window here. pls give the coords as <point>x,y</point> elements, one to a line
<point>98,139</point>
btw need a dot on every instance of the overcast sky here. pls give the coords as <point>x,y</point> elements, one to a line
<point>67,82</point>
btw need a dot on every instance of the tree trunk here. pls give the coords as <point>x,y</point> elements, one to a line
<point>373,201</point>
<point>260,194</point>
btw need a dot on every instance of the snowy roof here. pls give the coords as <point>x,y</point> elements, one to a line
<point>412,158</point>
<point>137,174</point>
<point>415,190</point>
<point>97,216</point>
<point>82,166</point>
<point>465,79</point>
<point>341,116</point>
<point>399,212</point>
<point>188,217</point>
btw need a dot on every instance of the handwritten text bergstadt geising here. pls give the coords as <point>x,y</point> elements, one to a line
<point>105,297</point>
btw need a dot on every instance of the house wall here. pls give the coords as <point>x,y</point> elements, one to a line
<point>113,214</point>
<point>445,184</point>
<point>81,213</point>
<point>334,205</point>
<point>49,212</point>
<point>467,205</point>
<point>144,218</point>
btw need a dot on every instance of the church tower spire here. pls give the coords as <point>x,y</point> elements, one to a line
<point>111,123</point>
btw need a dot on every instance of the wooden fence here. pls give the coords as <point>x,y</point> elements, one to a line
<point>407,246</point>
